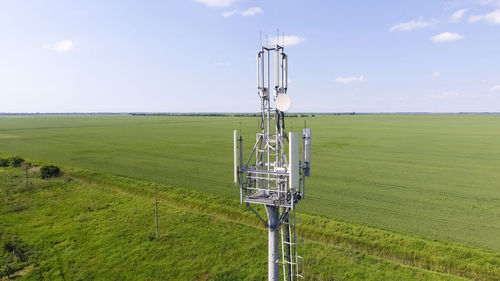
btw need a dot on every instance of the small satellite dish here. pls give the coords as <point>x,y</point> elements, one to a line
<point>283,102</point>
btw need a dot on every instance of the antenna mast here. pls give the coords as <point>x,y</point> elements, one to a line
<point>274,175</point>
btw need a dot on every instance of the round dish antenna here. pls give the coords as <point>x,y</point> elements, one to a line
<point>283,102</point>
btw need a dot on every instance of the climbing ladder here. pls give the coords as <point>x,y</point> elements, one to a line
<point>291,248</point>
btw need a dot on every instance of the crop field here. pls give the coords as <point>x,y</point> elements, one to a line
<point>389,194</point>
<point>434,176</point>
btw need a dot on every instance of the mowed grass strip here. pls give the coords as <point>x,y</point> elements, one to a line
<point>435,176</point>
<point>76,230</point>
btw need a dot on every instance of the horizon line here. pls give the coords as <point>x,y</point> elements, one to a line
<point>242,113</point>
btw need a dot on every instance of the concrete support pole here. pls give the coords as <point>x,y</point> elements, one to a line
<point>27,183</point>
<point>274,269</point>
<point>156,217</point>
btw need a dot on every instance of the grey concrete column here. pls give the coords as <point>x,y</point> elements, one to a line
<point>274,269</point>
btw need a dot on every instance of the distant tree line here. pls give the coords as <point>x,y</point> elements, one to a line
<point>218,114</point>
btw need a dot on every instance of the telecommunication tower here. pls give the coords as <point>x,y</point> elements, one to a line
<point>274,174</point>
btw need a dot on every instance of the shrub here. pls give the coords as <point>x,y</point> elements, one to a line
<point>16,161</point>
<point>50,171</point>
<point>4,162</point>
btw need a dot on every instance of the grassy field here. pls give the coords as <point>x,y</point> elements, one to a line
<point>94,226</point>
<point>436,176</point>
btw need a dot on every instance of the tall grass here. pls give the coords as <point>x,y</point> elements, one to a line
<point>440,256</point>
<point>92,226</point>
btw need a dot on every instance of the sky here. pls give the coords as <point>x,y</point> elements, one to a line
<point>199,55</point>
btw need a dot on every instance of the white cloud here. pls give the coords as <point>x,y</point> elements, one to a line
<point>495,88</point>
<point>493,17</point>
<point>229,13</point>
<point>61,46</point>
<point>246,13</point>
<point>222,63</point>
<point>414,24</point>
<point>436,74</point>
<point>456,16</point>
<point>450,94</point>
<point>445,95</point>
<point>349,80</point>
<point>446,37</point>
<point>216,3</point>
<point>490,2</point>
<point>290,40</point>
<point>251,12</point>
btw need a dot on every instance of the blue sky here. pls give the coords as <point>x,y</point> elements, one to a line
<point>199,55</point>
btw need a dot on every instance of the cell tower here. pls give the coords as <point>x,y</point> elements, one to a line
<point>274,175</point>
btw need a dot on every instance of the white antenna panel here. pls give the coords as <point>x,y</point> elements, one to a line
<point>293,169</point>
<point>307,144</point>
<point>235,156</point>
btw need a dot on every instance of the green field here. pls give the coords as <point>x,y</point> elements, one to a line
<point>94,226</point>
<point>379,183</point>
<point>437,176</point>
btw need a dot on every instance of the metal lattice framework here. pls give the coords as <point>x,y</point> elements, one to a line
<point>274,175</point>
